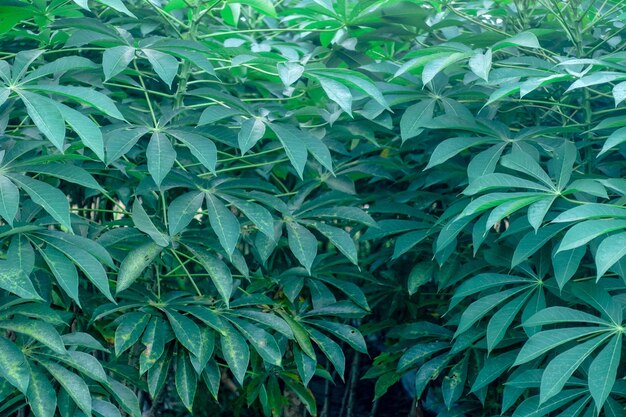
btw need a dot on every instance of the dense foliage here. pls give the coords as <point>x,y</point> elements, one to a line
<point>234,196</point>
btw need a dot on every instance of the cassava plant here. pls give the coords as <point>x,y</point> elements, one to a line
<point>208,207</point>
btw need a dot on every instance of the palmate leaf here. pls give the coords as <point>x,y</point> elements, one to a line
<point>563,366</point>
<point>135,263</point>
<point>41,394</point>
<point>161,157</point>
<point>9,200</point>
<point>13,366</point>
<point>74,385</point>
<point>294,146</point>
<point>48,197</point>
<point>186,380</point>
<point>302,243</point>
<point>236,352</point>
<point>63,270</point>
<point>116,59</point>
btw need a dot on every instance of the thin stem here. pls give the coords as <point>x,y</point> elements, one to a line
<point>145,92</point>
<point>193,282</point>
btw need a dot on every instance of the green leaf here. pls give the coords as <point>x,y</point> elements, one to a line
<point>46,116</point>
<point>483,282</point>
<point>591,211</point>
<point>186,330</point>
<point>154,339</point>
<point>481,307</point>
<point>600,77</point>
<point>161,157</point>
<point>306,365</point>
<point>125,397</point>
<point>543,342</point>
<point>117,5</point>
<point>23,60</point>
<point>236,352</point>
<point>129,330</point>
<point>417,353</point>
<point>583,232</point>
<point>302,243</point>
<point>186,380</point>
<point>215,113</point>
<point>264,6</point>
<point>252,130</point>
<point>502,319</point>
<point>85,128</point>
<point>295,148</point>
<point>223,222</point>
<point>609,252</point>
<point>300,333</point>
<point>203,149</point>
<point>104,408</point>
<point>257,214</point>
<point>50,198</point>
<point>524,39</point>
<point>340,239</point>
<point>603,371</point>
<point>73,384</point>
<point>305,395</point>
<point>561,368</point>
<point>262,341</point>
<point>82,95</point>
<point>599,298</point>
<point>200,60</point>
<point>347,333</point>
<point>13,365</point>
<point>566,264</point>
<point>480,64</point>
<point>435,66</point>
<point>619,93</point>
<point>318,149</point>
<point>9,200</point>
<point>120,141</point>
<point>211,377</point>
<point>616,138</point>
<point>14,280</point>
<point>66,172</point>
<point>63,270</point>
<point>531,407</point>
<point>87,263</point>
<point>43,332</point>
<point>496,180</point>
<point>60,66</point>
<point>414,118</point>
<point>41,394</point>
<point>166,66</point>
<point>135,263</point>
<point>157,375</point>
<point>87,365</point>
<point>182,210</point>
<point>289,72</point>
<point>218,271</point>
<point>420,274</point>
<point>557,314</point>
<point>116,59</point>
<point>522,162</point>
<point>538,210</point>
<point>337,92</point>
<point>142,222</point>
<point>493,367</point>
<point>451,147</point>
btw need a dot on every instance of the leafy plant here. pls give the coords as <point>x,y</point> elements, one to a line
<point>239,196</point>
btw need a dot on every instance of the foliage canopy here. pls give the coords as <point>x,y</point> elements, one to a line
<point>233,196</point>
